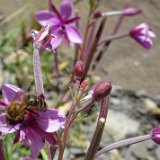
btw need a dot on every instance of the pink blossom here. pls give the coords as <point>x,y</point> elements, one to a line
<point>143,35</point>
<point>36,126</point>
<point>61,23</point>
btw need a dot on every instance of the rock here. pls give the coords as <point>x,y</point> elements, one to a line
<point>140,151</point>
<point>118,125</point>
<point>115,101</point>
<point>149,105</point>
<point>157,152</point>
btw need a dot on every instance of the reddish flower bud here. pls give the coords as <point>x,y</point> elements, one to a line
<point>79,68</point>
<point>131,11</point>
<point>101,90</point>
<point>83,85</point>
<point>97,14</point>
<point>155,134</point>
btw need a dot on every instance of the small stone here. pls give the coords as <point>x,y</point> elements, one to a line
<point>118,125</point>
<point>139,150</point>
<point>149,105</point>
<point>157,152</point>
<point>115,101</point>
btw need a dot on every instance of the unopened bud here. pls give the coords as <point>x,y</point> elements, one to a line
<point>83,85</point>
<point>155,134</point>
<point>79,68</point>
<point>101,90</point>
<point>131,11</point>
<point>97,14</point>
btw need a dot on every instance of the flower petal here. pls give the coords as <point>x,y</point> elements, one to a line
<point>51,120</point>
<point>73,34</point>
<point>55,42</point>
<point>4,126</point>
<point>53,9</point>
<point>2,104</point>
<point>66,8</point>
<point>46,18</point>
<point>11,92</point>
<point>34,141</point>
<point>48,136</point>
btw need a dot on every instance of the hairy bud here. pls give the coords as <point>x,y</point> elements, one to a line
<point>83,85</point>
<point>155,134</point>
<point>79,68</point>
<point>101,90</point>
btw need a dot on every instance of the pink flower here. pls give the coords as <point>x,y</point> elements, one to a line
<point>35,126</point>
<point>60,23</point>
<point>143,35</point>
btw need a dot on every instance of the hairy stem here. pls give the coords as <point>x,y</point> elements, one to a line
<point>122,143</point>
<point>37,71</point>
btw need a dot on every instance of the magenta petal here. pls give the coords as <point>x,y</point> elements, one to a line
<point>4,126</point>
<point>21,134</point>
<point>66,8</point>
<point>55,42</point>
<point>48,136</point>
<point>51,120</point>
<point>34,141</point>
<point>11,92</point>
<point>53,9</point>
<point>73,34</point>
<point>46,17</point>
<point>2,104</point>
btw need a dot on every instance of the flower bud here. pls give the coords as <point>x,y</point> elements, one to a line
<point>97,14</point>
<point>155,134</point>
<point>131,11</point>
<point>101,90</point>
<point>83,85</point>
<point>79,68</point>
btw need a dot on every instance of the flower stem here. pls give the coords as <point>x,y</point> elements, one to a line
<point>122,143</point>
<point>113,13</point>
<point>93,147</point>
<point>75,102</point>
<point>66,129</point>
<point>37,71</point>
<point>107,43</point>
<point>93,46</point>
<point>113,37</point>
<point>44,155</point>
<point>2,157</point>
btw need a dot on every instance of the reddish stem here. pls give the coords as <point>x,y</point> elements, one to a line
<point>107,43</point>
<point>94,45</point>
